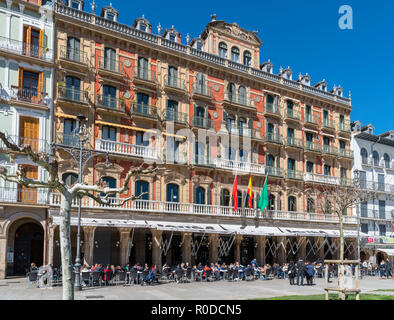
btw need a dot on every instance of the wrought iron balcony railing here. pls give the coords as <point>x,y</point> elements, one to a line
<point>202,122</point>
<point>110,65</point>
<point>294,142</point>
<point>144,110</point>
<point>73,54</point>
<point>110,103</point>
<point>174,116</point>
<point>238,99</point>
<point>272,108</point>
<point>74,95</point>
<point>145,74</point>
<point>24,49</point>
<point>174,82</point>
<point>37,145</point>
<point>313,146</point>
<point>273,137</point>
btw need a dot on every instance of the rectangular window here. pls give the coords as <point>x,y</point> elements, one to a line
<point>363,179</point>
<point>172,76</point>
<point>309,167</point>
<point>325,117</point>
<point>109,133</point>
<point>381,182</point>
<point>382,209</point>
<point>140,140</point>
<point>382,230</point>
<point>327,170</point>
<point>364,227</point>
<point>308,113</point>
<point>364,209</point>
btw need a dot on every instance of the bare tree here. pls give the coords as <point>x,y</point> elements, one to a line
<point>339,199</point>
<point>68,193</point>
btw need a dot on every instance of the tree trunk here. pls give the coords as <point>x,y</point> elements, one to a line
<point>341,256</point>
<point>65,247</point>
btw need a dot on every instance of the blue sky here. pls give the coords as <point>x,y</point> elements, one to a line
<point>303,35</point>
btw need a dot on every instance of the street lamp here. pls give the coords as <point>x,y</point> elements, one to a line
<point>82,156</point>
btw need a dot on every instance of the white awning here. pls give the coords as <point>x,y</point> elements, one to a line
<point>390,252</point>
<point>187,227</point>
<point>91,222</point>
<point>252,230</point>
<point>319,232</point>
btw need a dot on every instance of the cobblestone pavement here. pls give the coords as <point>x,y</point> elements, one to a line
<point>16,289</point>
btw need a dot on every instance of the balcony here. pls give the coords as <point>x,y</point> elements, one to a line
<point>311,120</point>
<point>23,49</point>
<point>294,175</point>
<point>377,186</point>
<point>115,67</point>
<point>74,55</point>
<point>202,161</point>
<point>202,92</point>
<point>236,100</point>
<point>377,215</point>
<point>143,110</point>
<point>312,147</point>
<point>175,84</point>
<point>256,134</point>
<point>24,196</point>
<point>344,153</point>
<point>73,95</point>
<point>274,171</point>
<point>201,122</point>
<point>110,103</point>
<point>144,76</point>
<point>272,109</point>
<point>346,182</point>
<point>239,166</point>
<point>69,140</point>
<point>273,138</point>
<point>344,127</point>
<point>293,142</point>
<point>233,129</point>
<point>319,178</point>
<point>291,114</point>
<point>126,149</point>
<point>177,117</point>
<point>328,124</point>
<point>30,96</point>
<point>191,209</point>
<point>330,150</point>
<point>37,145</point>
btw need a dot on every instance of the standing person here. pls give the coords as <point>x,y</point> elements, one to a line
<point>300,272</point>
<point>382,269</point>
<point>309,273</point>
<point>291,272</point>
<point>389,269</point>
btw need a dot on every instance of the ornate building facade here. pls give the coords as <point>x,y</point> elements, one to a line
<point>206,111</point>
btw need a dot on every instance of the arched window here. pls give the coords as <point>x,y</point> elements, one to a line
<point>292,203</point>
<point>199,153</point>
<point>70,178</point>
<point>242,95</point>
<point>375,157</point>
<point>225,198</point>
<point>270,99</point>
<point>142,188</point>
<point>243,155</point>
<point>247,58</point>
<point>199,195</point>
<point>242,125</point>
<point>239,199</point>
<point>235,54</point>
<point>230,123</point>
<point>223,50</point>
<point>270,160</point>
<point>231,91</point>
<point>172,192</point>
<point>200,83</point>
<point>271,202</point>
<point>364,156</point>
<point>73,87</point>
<point>310,205</point>
<point>143,68</point>
<point>386,158</point>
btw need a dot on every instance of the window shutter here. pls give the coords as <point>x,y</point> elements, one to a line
<point>41,44</point>
<point>28,41</point>
<point>224,116</point>
<point>20,72</point>
<point>40,85</point>
<point>194,194</point>
<point>208,191</point>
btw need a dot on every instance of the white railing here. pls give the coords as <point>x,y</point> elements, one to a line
<point>126,148</point>
<point>240,166</point>
<point>23,195</point>
<point>200,209</point>
<point>320,178</point>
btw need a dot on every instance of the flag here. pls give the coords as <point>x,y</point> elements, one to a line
<point>250,193</point>
<point>263,202</point>
<point>235,194</point>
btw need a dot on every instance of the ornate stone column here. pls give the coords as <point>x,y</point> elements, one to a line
<point>301,242</point>
<point>88,244</point>
<point>124,237</point>
<point>281,251</point>
<point>3,256</point>
<point>139,245</point>
<point>186,247</point>
<point>319,247</point>
<point>51,239</point>
<point>156,247</point>
<point>259,251</point>
<point>237,248</point>
<point>213,247</point>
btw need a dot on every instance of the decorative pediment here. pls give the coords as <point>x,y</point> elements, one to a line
<point>201,179</point>
<point>174,177</point>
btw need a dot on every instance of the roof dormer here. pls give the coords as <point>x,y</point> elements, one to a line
<point>267,67</point>
<point>197,43</point>
<point>304,79</point>
<point>337,91</point>
<point>368,129</point>
<point>356,126</point>
<point>110,13</point>
<point>286,73</point>
<point>172,35</point>
<point>142,24</point>
<point>322,85</point>
<point>76,4</point>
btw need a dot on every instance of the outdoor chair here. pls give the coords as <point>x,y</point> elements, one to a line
<point>133,277</point>
<point>108,278</point>
<point>189,274</point>
<point>236,276</point>
<point>230,274</point>
<point>208,275</point>
<point>120,278</point>
<point>145,274</point>
<point>249,274</point>
<point>32,277</point>
<point>96,278</point>
<point>87,278</point>
<point>179,275</point>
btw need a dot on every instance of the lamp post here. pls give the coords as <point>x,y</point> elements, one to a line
<point>82,156</point>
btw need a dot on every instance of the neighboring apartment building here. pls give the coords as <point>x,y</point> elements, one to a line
<point>374,166</point>
<point>26,90</point>
<point>142,96</point>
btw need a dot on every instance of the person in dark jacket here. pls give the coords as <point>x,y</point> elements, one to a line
<point>300,272</point>
<point>292,271</point>
<point>389,269</point>
<point>309,273</point>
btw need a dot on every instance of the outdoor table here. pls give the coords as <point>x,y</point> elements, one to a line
<point>200,272</point>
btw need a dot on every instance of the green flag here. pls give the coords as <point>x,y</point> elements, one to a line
<point>263,202</point>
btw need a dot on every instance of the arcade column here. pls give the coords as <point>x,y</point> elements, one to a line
<point>237,248</point>
<point>88,245</point>
<point>3,257</point>
<point>259,251</point>
<point>156,247</point>
<point>139,246</point>
<point>213,247</point>
<point>301,242</point>
<point>186,247</point>
<point>124,234</point>
<point>281,251</point>
<point>319,241</point>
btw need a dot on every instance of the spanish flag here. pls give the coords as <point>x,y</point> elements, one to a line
<point>250,193</point>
